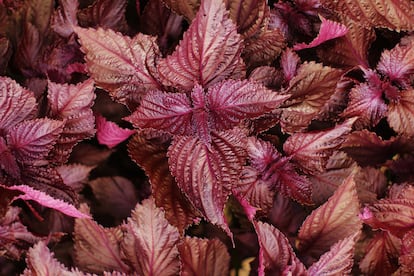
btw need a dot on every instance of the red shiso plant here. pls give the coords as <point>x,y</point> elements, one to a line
<point>212,137</point>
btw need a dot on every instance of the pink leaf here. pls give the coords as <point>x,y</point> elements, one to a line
<point>232,101</point>
<point>338,260</point>
<point>331,222</point>
<point>328,30</point>
<point>150,243</point>
<point>16,104</point>
<point>206,172</point>
<point>367,104</point>
<point>32,140</point>
<point>381,255</point>
<point>72,103</point>
<point>203,257</point>
<point>290,63</point>
<point>64,18</point>
<point>46,200</point>
<point>74,175</point>
<point>109,133</point>
<point>121,65</point>
<point>209,52</point>
<point>397,63</point>
<point>164,111</point>
<point>40,261</point>
<point>97,248</point>
<point>276,253</point>
<point>312,150</point>
<point>400,113</point>
<point>407,251</point>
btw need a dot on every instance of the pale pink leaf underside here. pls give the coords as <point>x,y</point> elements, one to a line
<point>109,133</point>
<point>150,244</point>
<point>209,52</point>
<point>328,30</point>
<point>46,200</point>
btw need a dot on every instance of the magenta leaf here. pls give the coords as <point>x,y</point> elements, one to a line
<point>16,104</point>
<point>150,242</point>
<point>290,63</point>
<point>121,65</point>
<point>203,257</point>
<point>276,255</point>
<point>164,111</point>
<point>338,260</point>
<point>97,248</point>
<point>311,150</point>
<point>331,222</point>
<point>32,140</point>
<point>46,200</point>
<point>109,133</point>
<point>207,172</point>
<point>209,52</point>
<point>328,30</point>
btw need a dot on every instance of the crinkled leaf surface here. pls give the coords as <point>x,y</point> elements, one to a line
<point>381,254</point>
<point>309,91</point>
<point>151,155</point>
<point>333,221</point>
<point>396,14</point>
<point>276,254</point>
<point>97,248</point>
<point>16,104</point>
<point>209,52</point>
<point>311,150</point>
<point>203,257</point>
<point>109,133</point>
<point>407,251</point>
<point>122,65</point>
<point>400,114</point>
<point>207,172</point>
<point>150,243</point>
<point>328,30</point>
<point>338,260</point>
<point>32,140</point>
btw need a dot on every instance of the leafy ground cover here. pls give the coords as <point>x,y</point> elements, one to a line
<point>213,137</point>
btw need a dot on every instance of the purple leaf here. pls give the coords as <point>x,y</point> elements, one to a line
<point>338,260</point>
<point>74,175</point>
<point>109,133</point>
<point>32,140</point>
<point>64,18</point>
<point>400,113</point>
<point>122,65</point>
<point>334,220</point>
<point>209,52</point>
<point>16,104</point>
<point>46,200</point>
<point>276,255</point>
<point>97,248</point>
<point>150,242</point>
<point>290,63</point>
<point>203,257</point>
<point>206,172</point>
<point>311,150</point>
<point>328,30</point>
